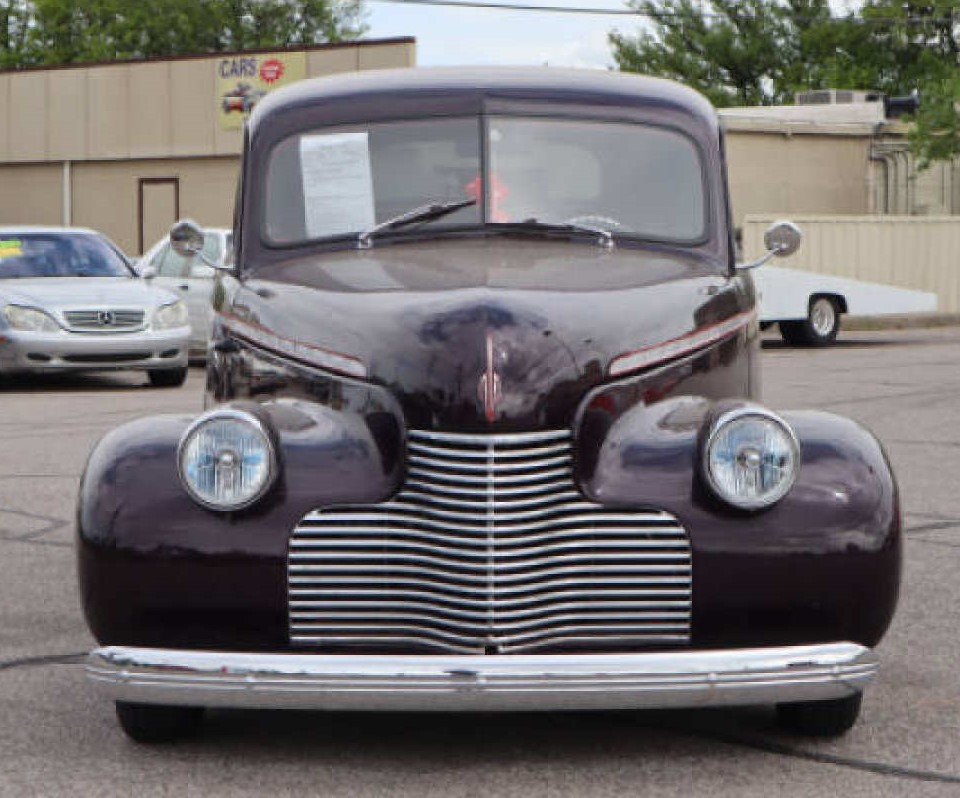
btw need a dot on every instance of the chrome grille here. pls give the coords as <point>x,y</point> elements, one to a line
<point>489,547</point>
<point>104,319</point>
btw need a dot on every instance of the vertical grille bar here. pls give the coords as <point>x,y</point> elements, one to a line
<point>489,547</point>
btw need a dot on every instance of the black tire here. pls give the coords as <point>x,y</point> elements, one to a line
<point>820,328</point>
<point>167,378</point>
<point>820,718</point>
<point>151,723</point>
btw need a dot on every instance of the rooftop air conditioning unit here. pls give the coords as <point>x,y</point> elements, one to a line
<point>836,97</point>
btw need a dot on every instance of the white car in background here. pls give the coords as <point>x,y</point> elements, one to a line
<point>191,279</point>
<point>808,305</point>
<point>70,301</point>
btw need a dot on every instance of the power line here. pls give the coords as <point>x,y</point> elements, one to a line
<point>630,12</point>
<point>497,6</point>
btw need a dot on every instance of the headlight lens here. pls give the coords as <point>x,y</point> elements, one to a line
<point>227,460</point>
<point>29,319</point>
<point>751,458</point>
<point>172,315</point>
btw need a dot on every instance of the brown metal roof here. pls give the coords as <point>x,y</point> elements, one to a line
<point>213,54</point>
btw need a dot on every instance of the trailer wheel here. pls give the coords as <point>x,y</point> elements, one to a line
<point>820,328</point>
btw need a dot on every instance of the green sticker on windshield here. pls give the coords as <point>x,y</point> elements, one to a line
<point>11,248</point>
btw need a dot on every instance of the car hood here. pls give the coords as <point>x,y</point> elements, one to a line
<point>56,293</point>
<point>452,326</point>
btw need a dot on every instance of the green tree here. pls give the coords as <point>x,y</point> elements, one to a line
<point>13,31</point>
<point>53,32</point>
<point>762,52</point>
<point>736,52</point>
<point>246,24</point>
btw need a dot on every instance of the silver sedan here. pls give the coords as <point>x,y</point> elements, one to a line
<point>69,301</point>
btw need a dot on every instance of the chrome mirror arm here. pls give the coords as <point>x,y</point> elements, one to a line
<point>765,258</point>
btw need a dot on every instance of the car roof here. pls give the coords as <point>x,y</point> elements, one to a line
<point>441,90</point>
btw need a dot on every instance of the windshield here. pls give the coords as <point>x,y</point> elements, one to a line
<point>633,180</point>
<point>29,255</point>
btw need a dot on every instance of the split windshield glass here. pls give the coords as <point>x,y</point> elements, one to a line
<point>33,255</point>
<point>632,180</point>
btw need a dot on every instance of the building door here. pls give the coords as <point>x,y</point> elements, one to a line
<point>159,208</point>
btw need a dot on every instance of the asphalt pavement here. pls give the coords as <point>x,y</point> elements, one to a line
<point>57,737</point>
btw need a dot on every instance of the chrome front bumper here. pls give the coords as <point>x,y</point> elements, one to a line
<point>92,351</point>
<point>483,682</point>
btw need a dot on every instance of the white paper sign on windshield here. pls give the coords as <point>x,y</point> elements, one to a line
<point>337,184</point>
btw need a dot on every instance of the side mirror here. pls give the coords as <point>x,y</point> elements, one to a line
<point>781,239</point>
<point>149,272</point>
<point>186,238</point>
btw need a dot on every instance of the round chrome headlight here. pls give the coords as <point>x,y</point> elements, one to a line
<point>751,458</point>
<point>227,460</point>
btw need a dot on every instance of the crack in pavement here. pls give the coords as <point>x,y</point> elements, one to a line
<point>933,526</point>
<point>40,476</point>
<point>51,525</point>
<point>905,442</point>
<point>821,757</point>
<point>945,544</point>
<point>39,660</point>
<point>865,400</point>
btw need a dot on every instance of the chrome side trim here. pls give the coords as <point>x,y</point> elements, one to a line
<point>483,682</point>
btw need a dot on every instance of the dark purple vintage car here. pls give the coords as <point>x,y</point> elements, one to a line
<point>483,432</point>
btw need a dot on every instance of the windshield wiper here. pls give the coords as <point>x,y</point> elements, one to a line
<point>422,213</point>
<point>604,237</point>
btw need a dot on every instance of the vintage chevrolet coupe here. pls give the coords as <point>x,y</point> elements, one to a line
<point>483,432</point>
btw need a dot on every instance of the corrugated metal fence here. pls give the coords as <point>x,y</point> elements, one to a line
<point>921,252</point>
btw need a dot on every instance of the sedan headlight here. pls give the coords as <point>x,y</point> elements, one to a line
<point>169,316</point>
<point>29,319</point>
<point>750,458</point>
<point>227,460</point>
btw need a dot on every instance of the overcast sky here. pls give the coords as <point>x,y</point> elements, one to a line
<point>487,36</point>
<point>448,36</point>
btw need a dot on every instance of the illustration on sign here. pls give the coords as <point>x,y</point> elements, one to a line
<point>242,81</point>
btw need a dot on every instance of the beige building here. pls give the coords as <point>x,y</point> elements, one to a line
<point>128,147</point>
<point>841,159</point>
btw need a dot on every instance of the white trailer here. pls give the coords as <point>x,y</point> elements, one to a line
<point>808,305</point>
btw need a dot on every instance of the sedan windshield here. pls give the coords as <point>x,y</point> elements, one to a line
<point>540,174</point>
<point>30,255</point>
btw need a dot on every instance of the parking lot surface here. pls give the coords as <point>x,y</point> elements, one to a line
<point>58,738</point>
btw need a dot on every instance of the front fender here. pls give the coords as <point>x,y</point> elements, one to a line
<point>822,564</point>
<point>155,568</point>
